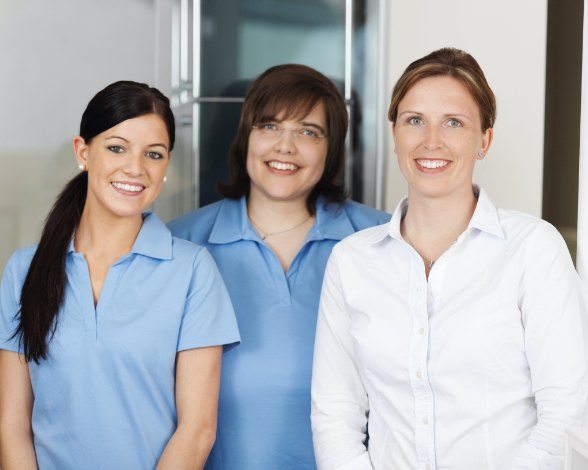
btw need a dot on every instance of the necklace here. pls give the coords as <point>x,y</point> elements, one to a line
<point>263,234</point>
<point>428,262</point>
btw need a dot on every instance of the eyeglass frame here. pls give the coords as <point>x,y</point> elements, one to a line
<point>294,132</point>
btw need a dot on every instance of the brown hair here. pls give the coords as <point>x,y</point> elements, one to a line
<point>291,90</point>
<point>453,63</point>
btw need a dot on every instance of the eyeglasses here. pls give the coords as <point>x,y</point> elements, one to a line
<point>304,135</point>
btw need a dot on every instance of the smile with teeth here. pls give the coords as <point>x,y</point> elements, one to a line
<point>134,188</point>
<point>432,164</point>
<point>282,166</point>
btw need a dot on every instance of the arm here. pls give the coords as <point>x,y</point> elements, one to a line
<point>197,386</point>
<point>339,401</point>
<point>16,404</point>
<point>554,312</point>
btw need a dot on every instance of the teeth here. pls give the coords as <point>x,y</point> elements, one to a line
<point>282,166</point>
<point>128,187</point>
<point>432,163</point>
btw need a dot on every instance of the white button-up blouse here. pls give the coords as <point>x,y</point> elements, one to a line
<point>482,366</point>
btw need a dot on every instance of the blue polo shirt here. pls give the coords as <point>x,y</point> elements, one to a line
<point>264,408</point>
<point>104,397</point>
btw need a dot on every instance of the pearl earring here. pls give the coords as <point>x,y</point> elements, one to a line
<point>81,167</point>
<point>164,179</point>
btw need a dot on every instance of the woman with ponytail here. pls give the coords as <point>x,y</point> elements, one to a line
<point>111,330</point>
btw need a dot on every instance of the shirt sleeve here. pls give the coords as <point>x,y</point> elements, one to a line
<point>9,307</point>
<point>554,312</point>
<point>339,400</point>
<point>208,319</point>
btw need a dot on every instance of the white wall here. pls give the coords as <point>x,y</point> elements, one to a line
<point>508,39</point>
<point>55,55</point>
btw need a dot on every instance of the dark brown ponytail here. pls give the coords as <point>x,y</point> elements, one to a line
<point>43,290</point>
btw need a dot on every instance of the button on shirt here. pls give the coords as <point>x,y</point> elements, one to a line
<point>264,407</point>
<point>480,367</point>
<point>104,397</point>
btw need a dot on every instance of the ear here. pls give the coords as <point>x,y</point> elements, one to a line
<point>81,151</point>
<point>487,137</point>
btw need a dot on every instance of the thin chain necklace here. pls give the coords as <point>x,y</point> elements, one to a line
<point>427,261</point>
<point>263,234</point>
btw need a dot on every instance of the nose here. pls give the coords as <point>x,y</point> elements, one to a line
<point>134,165</point>
<point>433,139</point>
<point>285,143</point>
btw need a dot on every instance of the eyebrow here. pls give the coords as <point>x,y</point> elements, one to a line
<point>445,115</point>
<point>126,140</point>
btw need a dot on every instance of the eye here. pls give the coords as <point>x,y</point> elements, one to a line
<point>306,132</point>
<point>116,149</point>
<point>454,123</point>
<point>415,121</point>
<point>268,127</point>
<point>154,155</point>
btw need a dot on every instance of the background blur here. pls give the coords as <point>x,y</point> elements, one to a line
<point>203,53</point>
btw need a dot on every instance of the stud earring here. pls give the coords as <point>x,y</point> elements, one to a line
<point>81,167</point>
<point>481,154</point>
<point>164,179</point>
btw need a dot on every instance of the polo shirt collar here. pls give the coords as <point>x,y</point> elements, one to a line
<point>484,218</point>
<point>232,223</point>
<point>332,221</point>
<point>154,239</point>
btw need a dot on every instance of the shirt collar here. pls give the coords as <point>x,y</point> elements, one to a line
<point>154,239</point>
<point>484,218</point>
<point>332,222</point>
<point>232,223</point>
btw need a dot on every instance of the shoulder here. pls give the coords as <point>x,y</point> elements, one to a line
<point>362,242</point>
<point>196,226</point>
<point>521,225</point>
<point>363,216</point>
<point>20,260</point>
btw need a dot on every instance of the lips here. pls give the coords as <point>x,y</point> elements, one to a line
<point>126,188</point>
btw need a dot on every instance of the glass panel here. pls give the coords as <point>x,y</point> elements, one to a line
<point>218,126</point>
<point>176,198</point>
<point>252,35</point>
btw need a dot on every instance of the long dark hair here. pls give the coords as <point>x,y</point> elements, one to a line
<point>293,90</point>
<point>44,286</point>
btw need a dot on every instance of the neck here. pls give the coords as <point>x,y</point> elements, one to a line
<point>438,221</point>
<point>274,215</point>
<point>105,235</point>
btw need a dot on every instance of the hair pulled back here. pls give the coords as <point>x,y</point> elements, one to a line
<point>44,286</point>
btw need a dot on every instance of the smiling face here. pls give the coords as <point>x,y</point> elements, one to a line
<point>438,136</point>
<point>126,165</point>
<point>284,167</point>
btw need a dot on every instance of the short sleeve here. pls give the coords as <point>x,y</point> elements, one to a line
<point>9,306</point>
<point>208,319</point>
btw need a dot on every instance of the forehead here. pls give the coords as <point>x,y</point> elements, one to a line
<point>438,92</point>
<point>147,127</point>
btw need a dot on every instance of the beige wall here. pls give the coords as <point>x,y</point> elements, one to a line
<point>55,56</point>
<point>508,38</point>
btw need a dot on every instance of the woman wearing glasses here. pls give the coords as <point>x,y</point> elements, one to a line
<point>111,330</point>
<point>284,210</point>
<point>455,333</point>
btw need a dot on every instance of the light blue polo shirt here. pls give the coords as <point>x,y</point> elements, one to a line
<point>104,398</point>
<point>264,409</point>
